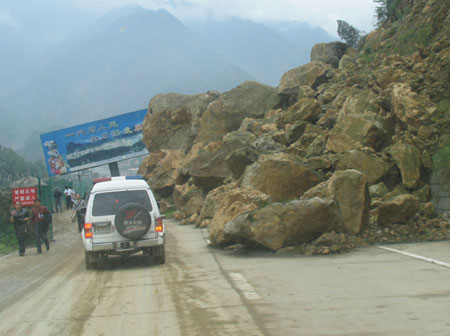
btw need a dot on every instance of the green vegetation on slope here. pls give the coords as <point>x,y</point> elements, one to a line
<point>14,167</point>
<point>8,240</point>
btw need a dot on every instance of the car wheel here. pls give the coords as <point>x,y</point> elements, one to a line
<point>159,255</point>
<point>132,221</point>
<point>147,255</point>
<point>91,260</point>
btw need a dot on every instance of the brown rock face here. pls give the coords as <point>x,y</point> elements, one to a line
<point>173,119</point>
<point>306,109</point>
<point>278,225</point>
<point>353,130</point>
<point>280,176</point>
<point>407,158</point>
<point>410,107</point>
<point>163,177</point>
<point>329,53</point>
<point>398,210</point>
<point>232,203</point>
<point>188,199</point>
<point>209,166</point>
<point>349,189</point>
<point>213,198</point>
<point>369,118</point>
<point>372,166</point>
<point>312,74</point>
<point>226,114</point>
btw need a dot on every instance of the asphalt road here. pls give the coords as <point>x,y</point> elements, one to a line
<point>204,291</point>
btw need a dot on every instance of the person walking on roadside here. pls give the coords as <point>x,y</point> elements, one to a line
<point>57,196</point>
<point>19,217</point>
<point>39,217</point>
<point>79,207</point>
<point>68,195</point>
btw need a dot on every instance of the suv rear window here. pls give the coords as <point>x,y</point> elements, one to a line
<point>108,203</point>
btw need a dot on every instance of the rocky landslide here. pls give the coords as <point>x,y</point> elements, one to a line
<point>338,155</point>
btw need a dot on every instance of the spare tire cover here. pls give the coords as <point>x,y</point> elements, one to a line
<point>132,221</point>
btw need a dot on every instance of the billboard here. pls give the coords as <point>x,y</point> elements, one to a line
<point>25,195</point>
<point>94,144</point>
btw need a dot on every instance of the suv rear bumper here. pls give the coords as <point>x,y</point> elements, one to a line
<point>127,245</point>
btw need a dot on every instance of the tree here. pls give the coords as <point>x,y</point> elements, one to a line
<point>348,33</point>
<point>389,10</point>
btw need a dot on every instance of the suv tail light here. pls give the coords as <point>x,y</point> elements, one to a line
<point>159,225</point>
<point>88,230</point>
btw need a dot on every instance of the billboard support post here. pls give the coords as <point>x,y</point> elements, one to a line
<point>114,169</point>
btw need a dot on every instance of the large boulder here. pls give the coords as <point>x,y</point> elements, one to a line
<point>248,100</point>
<point>229,203</point>
<point>280,175</point>
<point>370,164</point>
<point>164,175</point>
<point>209,167</point>
<point>213,198</point>
<point>188,198</point>
<point>398,210</point>
<point>239,159</point>
<point>411,108</point>
<point>386,75</point>
<point>278,225</point>
<point>408,160</point>
<point>306,109</point>
<point>355,130</point>
<point>349,188</point>
<point>312,74</point>
<point>329,53</point>
<point>294,131</point>
<point>358,101</point>
<point>173,119</point>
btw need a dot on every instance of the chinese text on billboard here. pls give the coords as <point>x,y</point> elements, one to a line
<point>94,144</point>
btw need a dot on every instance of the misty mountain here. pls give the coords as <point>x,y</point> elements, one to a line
<point>118,63</point>
<point>300,34</point>
<point>28,31</point>
<point>265,50</point>
<point>117,68</point>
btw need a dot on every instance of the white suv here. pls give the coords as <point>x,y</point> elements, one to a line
<point>122,218</point>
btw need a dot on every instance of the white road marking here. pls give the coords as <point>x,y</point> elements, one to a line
<point>416,256</point>
<point>244,286</point>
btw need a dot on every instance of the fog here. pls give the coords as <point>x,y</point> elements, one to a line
<point>74,61</point>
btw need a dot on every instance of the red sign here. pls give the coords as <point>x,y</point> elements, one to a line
<point>25,195</point>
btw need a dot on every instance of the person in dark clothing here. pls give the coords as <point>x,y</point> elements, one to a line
<point>19,218</point>
<point>39,217</point>
<point>57,196</point>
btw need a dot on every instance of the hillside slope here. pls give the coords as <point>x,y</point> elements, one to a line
<point>336,156</point>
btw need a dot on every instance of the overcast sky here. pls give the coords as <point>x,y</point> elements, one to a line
<point>322,13</point>
<point>318,13</point>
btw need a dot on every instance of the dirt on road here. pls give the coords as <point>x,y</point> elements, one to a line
<point>53,294</point>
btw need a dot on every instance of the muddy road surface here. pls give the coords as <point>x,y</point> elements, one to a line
<point>204,291</point>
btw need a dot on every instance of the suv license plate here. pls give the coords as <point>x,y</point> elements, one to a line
<point>102,229</point>
<point>125,245</point>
